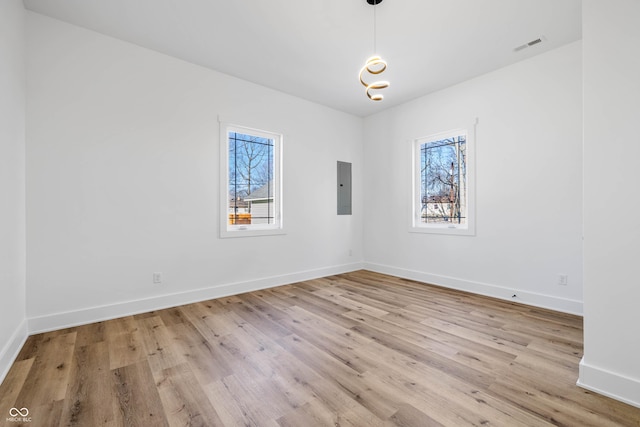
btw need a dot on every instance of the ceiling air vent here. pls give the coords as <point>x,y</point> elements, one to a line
<point>529,44</point>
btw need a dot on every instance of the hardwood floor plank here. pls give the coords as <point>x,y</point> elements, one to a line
<point>553,409</point>
<point>184,400</point>
<point>125,342</point>
<point>49,375</point>
<point>408,416</point>
<point>493,338</point>
<point>89,388</point>
<point>353,293</point>
<point>418,378</point>
<point>46,415</point>
<point>310,383</point>
<point>320,306</point>
<point>90,334</point>
<point>409,375</point>
<point>170,316</point>
<point>315,413</point>
<point>418,354</point>
<point>329,337</point>
<point>263,317</point>
<point>436,341</point>
<point>237,405</point>
<point>357,306</point>
<point>137,396</point>
<point>205,357</point>
<point>356,349</point>
<point>400,390</point>
<point>159,346</point>
<point>210,321</point>
<point>12,385</point>
<point>340,374</point>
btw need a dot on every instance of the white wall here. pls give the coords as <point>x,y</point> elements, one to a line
<point>13,328</point>
<point>611,175</point>
<point>122,180</point>
<point>528,184</point>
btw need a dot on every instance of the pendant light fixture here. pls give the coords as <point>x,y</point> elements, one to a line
<point>374,65</point>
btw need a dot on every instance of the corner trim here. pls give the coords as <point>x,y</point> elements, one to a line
<point>11,349</point>
<point>610,384</point>
<point>529,298</point>
<point>61,320</point>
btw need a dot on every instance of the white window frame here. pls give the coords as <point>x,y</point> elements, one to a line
<point>416,225</point>
<point>249,230</point>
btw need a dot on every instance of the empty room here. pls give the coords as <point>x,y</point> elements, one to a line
<point>329,213</point>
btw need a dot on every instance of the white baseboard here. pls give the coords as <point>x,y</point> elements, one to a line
<point>523,297</point>
<point>610,384</point>
<point>51,322</point>
<point>11,349</point>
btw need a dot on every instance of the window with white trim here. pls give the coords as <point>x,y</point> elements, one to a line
<point>442,199</point>
<point>251,182</point>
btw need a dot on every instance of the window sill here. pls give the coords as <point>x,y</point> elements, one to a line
<point>444,229</point>
<point>250,232</point>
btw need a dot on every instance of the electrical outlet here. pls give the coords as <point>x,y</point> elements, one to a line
<point>157,278</point>
<point>563,280</point>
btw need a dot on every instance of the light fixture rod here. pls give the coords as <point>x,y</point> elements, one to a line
<point>375,65</point>
<point>375,23</point>
<point>375,28</point>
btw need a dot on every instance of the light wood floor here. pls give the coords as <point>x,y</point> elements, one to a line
<point>358,349</point>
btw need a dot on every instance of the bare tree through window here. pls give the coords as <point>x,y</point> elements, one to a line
<point>443,180</point>
<point>251,182</point>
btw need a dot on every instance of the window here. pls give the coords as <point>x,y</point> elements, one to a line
<point>442,187</point>
<point>251,182</point>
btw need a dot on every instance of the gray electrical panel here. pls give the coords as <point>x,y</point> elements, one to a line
<point>344,188</point>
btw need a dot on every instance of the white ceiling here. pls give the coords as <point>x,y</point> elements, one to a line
<point>315,49</point>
